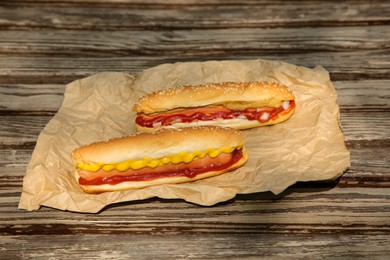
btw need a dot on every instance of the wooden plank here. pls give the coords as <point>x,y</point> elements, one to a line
<point>363,95</point>
<point>67,15</point>
<point>357,125</point>
<point>21,129</point>
<point>352,65</point>
<point>369,164</point>
<point>31,97</point>
<point>211,246</point>
<point>14,156</point>
<point>132,52</point>
<point>172,3</point>
<point>20,98</point>
<point>336,220</point>
<point>193,42</point>
<point>319,207</point>
<point>367,144</point>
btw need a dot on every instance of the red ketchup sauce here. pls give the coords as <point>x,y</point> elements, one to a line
<point>188,172</point>
<point>198,115</point>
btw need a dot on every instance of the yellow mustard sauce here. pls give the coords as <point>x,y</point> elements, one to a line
<point>153,163</point>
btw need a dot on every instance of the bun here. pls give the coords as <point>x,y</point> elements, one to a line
<point>162,143</point>
<point>234,95</point>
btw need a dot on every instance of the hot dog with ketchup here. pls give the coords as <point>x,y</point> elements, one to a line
<point>239,105</point>
<point>166,156</point>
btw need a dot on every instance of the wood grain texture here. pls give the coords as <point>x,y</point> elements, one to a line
<point>40,70</point>
<point>246,226</point>
<point>46,44</point>
<point>183,42</point>
<point>157,15</point>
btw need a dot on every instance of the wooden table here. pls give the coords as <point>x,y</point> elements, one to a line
<point>46,44</point>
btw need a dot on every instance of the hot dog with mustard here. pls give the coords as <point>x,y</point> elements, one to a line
<point>166,156</point>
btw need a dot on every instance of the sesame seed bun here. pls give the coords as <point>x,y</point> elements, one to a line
<point>234,95</point>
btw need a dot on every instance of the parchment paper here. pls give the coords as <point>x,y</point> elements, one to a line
<point>308,147</point>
